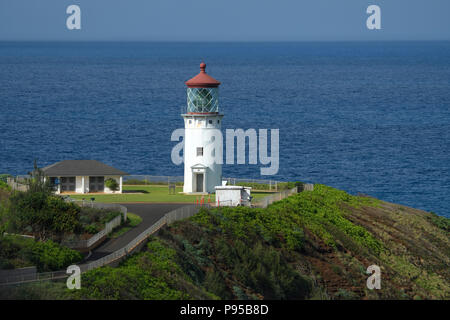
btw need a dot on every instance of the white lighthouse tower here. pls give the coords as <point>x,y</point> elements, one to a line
<point>201,122</point>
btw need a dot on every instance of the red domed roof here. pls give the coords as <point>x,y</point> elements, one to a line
<point>202,80</point>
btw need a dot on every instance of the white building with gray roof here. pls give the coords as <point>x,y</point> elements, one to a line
<point>83,176</point>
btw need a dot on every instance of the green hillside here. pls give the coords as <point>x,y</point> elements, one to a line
<point>313,245</point>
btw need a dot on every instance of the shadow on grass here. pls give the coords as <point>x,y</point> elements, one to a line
<point>135,191</point>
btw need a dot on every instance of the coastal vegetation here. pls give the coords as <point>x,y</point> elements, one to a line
<point>312,245</point>
<point>40,213</point>
<point>19,252</point>
<point>35,223</point>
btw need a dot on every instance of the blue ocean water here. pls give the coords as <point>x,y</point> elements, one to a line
<point>363,117</point>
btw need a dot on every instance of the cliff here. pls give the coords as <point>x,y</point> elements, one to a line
<point>313,245</point>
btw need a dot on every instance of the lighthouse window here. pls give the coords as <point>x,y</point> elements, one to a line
<point>199,152</point>
<point>203,100</point>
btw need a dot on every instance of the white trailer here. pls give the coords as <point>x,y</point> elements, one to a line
<point>233,196</point>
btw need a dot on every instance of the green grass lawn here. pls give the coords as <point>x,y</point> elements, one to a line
<point>133,220</point>
<point>152,193</point>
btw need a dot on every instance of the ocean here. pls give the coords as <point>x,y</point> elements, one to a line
<point>365,117</point>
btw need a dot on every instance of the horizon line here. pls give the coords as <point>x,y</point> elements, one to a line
<point>225,41</point>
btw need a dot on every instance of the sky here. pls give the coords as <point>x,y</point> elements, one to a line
<point>224,20</point>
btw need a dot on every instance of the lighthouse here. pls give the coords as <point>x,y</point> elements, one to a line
<point>202,121</point>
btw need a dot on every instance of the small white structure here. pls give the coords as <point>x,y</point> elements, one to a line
<point>201,122</point>
<point>83,176</point>
<point>232,196</point>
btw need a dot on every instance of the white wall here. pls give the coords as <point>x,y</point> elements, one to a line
<point>78,185</point>
<point>198,132</point>
<point>232,195</point>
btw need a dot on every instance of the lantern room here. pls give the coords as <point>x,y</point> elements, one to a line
<point>202,93</point>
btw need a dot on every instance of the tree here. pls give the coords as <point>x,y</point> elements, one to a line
<point>44,215</point>
<point>39,211</point>
<point>112,184</point>
<point>38,181</point>
<point>4,221</point>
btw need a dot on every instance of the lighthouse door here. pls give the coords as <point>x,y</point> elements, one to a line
<point>199,182</point>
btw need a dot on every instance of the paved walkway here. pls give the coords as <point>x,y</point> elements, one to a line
<point>149,212</point>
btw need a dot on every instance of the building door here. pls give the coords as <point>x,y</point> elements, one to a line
<point>68,184</point>
<point>96,184</point>
<point>199,182</point>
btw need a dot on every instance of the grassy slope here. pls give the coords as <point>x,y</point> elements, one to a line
<point>314,245</point>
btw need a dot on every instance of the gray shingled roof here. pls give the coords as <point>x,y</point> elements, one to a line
<point>70,168</point>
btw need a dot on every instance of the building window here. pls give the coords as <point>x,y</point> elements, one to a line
<point>68,184</point>
<point>210,121</point>
<point>218,121</point>
<point>190,121</point>
<point>199,152</point>
<point>54,182</point>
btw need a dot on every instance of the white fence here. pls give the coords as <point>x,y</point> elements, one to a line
<point>17,184</point>
<point>168,218</point>
<point>264,202</point>
<point>273,184</point>
<point>149,179</point>
<point>109,226</point>
<point>32,277</point>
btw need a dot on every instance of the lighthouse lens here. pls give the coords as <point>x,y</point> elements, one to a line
<point>202,100</point>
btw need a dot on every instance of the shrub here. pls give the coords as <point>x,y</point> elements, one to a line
<point>48,216</point>
<point>4,177</point>
<point>18,252</point>
<point>112,184</point>
<point>92,220</point>
<point>4,185</point>
<point>91,229</point>
<point>49,256</point>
